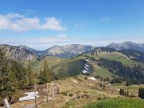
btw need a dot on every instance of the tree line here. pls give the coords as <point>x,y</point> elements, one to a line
<point>124,92</point>
<point>134,54</point>
<point>134,75</point>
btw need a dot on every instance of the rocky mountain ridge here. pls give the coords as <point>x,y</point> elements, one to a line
<point>126,45</point>
<point>24,53</point>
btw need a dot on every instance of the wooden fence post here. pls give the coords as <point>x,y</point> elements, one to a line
<point>36,106</point>
<point>47,92</point>
<point>52,90</point>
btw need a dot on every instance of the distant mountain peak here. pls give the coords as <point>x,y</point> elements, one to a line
<point>126,45</point>
<point>70,50</point>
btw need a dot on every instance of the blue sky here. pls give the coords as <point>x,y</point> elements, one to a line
<point>44,23</point>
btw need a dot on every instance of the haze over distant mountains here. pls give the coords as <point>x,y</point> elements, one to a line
<point>22,52</point>
<point>126,45</point>
<point>75,49</point>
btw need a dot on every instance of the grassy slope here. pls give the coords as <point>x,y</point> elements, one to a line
<point>113,56</point>
<point>100,71</point>
<point>117,103</point>
<point>68,65</point>
<point>77,92</point>
<point>51,60</point>
<point>56,64</point>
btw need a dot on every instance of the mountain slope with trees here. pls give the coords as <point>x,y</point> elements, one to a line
<point>19,54</point>
<point>126,65</point>
<point>103,61</point>
<point>107,65</point>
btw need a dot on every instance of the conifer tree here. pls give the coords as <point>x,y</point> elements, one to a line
<point>31,76</point>
<point>122,92</point>
<point>141,93</point>
<point>21,74</point>
<point>4,70</point>
<point>8,81</point>
<point>45,75</point>
<point>11,85</point>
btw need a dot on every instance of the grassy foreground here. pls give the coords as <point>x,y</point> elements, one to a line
<point>117,103</point>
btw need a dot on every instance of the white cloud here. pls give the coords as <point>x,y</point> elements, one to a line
<point>51,39</point>
<point>17,22</point>
<point>40,43</point>
<point>52,23</point>
<point>105,42</point>
<point>43,43</point>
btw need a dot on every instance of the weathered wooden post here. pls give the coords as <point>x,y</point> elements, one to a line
<point>36,106</point>
<point>6,104</point>
<point>47,92</point>
<point>52,91</point>
<point>58,88</point>
<point>55,89</point>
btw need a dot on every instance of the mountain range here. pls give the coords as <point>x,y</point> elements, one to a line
<point>25,53</point>
<point>126,45</point>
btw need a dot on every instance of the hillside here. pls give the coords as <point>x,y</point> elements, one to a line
<point>68,51</point>
<point>118,65</point>
<point>89,77</point>
<point>117,103</point>
<point>77,92</point>
<point>102,63</point>
<point>34,51</point>
<point>18,53</point>
<point>61,67</point>
<point>126,45</point>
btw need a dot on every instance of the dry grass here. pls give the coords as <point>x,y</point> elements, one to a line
<point>75,92</point>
